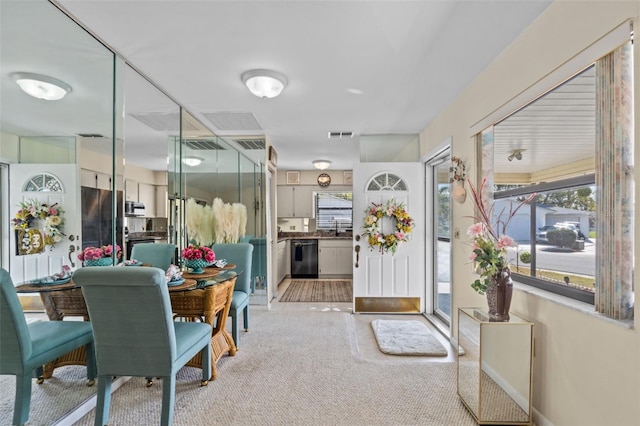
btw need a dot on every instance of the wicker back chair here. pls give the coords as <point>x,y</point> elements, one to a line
<point>210,305</point>
<point>24,349</point>
<point>135,334</point>
<point>240,254</point>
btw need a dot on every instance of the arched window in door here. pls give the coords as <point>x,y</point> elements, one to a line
<point>387,182</point>
<point>43,182</point>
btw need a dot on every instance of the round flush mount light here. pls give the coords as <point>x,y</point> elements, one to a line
<point>321,164</point>
<point>41,86</point>
<point>192,161</point>
<point>264,83</point>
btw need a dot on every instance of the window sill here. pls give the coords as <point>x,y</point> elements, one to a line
<point>567,302</point>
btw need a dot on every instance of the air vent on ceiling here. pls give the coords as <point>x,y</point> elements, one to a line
<point>160,121</point>
<point>203,145</point>
<point>340,135</point>
<point>251,143</point>
<point>169,122</point>
<point>238,121</point>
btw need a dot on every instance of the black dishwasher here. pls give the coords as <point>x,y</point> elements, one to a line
<point>304,258</point>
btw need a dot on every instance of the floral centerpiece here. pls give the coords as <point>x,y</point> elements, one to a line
<point>489,253</point>
<point>198,257</point>
<point>99,256</point>
<point>373,226</point>
<point>36,214</point>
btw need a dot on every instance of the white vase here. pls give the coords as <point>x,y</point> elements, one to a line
<point>458,193</point>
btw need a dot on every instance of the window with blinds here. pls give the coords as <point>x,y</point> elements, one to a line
<point>334,211</point>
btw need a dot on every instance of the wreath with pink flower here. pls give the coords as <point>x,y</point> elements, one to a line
<point>47,217</point>
<point>403,226</point>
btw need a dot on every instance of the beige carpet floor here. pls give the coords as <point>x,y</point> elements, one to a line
<point>332,291</point>
<point>294,368</point>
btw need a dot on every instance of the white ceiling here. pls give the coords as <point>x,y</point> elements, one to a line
<point>408,59</point>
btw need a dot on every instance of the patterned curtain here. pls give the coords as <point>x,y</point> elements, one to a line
<point>614,184</point>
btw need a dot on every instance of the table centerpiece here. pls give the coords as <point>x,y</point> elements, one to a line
<point>197,258</point>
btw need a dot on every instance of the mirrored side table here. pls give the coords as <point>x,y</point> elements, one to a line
<point>495,367</point>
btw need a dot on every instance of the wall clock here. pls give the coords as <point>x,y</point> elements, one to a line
<point>324,179</point>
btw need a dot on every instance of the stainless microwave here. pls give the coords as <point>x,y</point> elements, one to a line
<point>132,208</point>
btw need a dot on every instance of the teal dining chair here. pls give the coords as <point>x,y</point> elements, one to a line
<point>159,255</point>
<point>239,254</point>
<point>135,334</point>
<point>25,348</point>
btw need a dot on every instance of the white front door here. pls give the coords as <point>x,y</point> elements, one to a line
<point>51,260</point>
<point>386,276</point>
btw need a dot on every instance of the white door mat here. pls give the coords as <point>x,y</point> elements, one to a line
<point>397,337</point>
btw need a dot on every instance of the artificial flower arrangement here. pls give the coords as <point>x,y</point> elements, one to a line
<point>489,242</point>
<point>194,252</point>
<point>373,223</point>
<point>96,253</point>
<point>50,215</point>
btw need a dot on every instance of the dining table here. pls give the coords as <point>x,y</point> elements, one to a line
<point>64,298</point>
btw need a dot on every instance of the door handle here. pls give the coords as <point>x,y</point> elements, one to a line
<point>72,249</point>
<point>357,248</point>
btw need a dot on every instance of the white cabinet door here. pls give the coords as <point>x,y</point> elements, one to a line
<point>94,179</point>
<point>282,260</point>
<point>161,201</point>
<point>147,196</point>
<point>344,260</point>
<point>295,201</point>
<point>131,190</point>
<point>303,201</point>
<point>326,260</point>
<point>285,201</point>
<point>335,257</point>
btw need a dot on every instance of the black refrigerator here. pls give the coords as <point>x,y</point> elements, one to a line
<point>97,224</point>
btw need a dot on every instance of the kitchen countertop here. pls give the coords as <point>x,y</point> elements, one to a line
<point>284,236</point>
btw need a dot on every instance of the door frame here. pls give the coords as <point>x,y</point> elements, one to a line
<point>441,154</point>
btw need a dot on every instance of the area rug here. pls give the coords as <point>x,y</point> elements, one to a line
<point>396,337</point>
<point>332,291</point>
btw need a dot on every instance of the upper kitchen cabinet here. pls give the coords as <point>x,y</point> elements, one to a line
<point>131,190</point>
<point>295,201</point>
<point>147,196</point>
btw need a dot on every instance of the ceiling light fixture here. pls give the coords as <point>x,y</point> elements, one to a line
<point>264,83</point>
<point>516,153</point>
<point>41,86</point>
<point>321,164</point>
<point>192,161</point>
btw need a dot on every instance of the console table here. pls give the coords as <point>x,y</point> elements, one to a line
<point>495,367</point>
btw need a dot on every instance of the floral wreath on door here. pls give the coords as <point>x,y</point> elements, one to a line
<point>34,214</point>
<point>391,209</point>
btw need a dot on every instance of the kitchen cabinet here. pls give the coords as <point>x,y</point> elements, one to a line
<point>93,179</point>
<point>131,190</point>
<point>147,196</point>
<point>495,370</point>
<point>284,263</point>
<point>295,201</point>
<point>162,201</point>
<point>335,257</point>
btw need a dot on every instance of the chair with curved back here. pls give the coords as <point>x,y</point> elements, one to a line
<point>159,255</point>
<point>135,334</point>
<point>239,254</point>
<point>25,348</point>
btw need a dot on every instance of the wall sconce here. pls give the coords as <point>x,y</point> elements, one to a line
<point>192,161</point>
<point>41,86</point>
<point>516,153</point>
<point>458,172</point>
<point>321,164</point>
<point>264,83</point>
